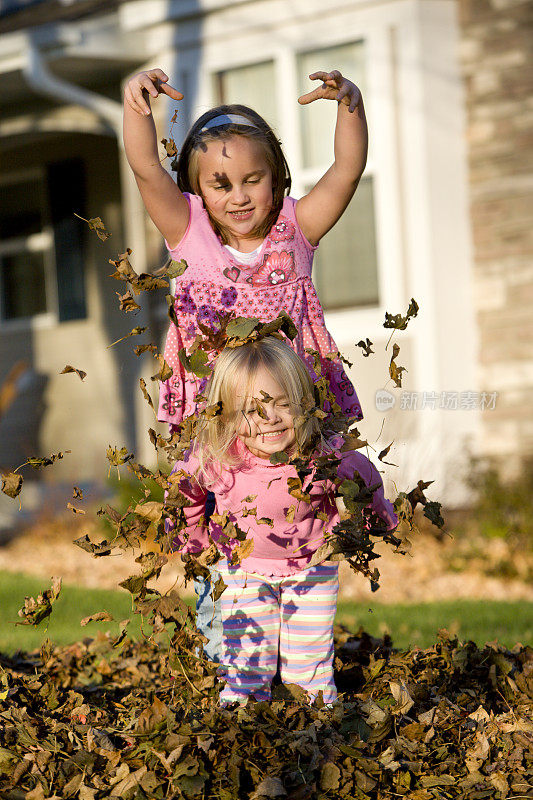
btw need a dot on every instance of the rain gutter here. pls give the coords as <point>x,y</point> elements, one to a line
<point>41,80</point>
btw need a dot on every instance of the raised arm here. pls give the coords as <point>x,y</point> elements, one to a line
<point>323,206</point>
<point>164,202</point>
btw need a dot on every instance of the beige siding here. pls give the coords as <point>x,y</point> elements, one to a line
<point>497,59</point>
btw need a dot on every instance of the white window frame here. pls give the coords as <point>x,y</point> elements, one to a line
<point>42,242</point>
<point>381,108</point>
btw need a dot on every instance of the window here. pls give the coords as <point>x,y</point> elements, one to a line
<point>345,266</point>
<point>253,86</point>
<point>41,255</point>
<point>346,270</point>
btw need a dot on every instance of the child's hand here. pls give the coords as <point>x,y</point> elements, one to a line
<point>152,82</point>
<point>334,87</point>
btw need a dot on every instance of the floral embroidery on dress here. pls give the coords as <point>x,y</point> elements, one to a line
<point>283,231</point>
<point>208,316</point>
<point>345,385</point>
<point>185,302</point>
<point>190,331</point>
<point>232,273</point>
<point>228,297</point>
<point>277,268</point>
<point>172,403</point>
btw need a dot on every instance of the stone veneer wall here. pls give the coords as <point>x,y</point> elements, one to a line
<point>497,64</point>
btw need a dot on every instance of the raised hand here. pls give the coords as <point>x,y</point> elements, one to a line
<point>152,82</point>
<point>334,87</point>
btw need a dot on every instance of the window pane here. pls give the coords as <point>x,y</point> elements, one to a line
<point>21,208</point>
<point>23,285</point>
<point>345,267</point>
<point>252,86</point>
<point>66,192</point>
<point>317,120</point>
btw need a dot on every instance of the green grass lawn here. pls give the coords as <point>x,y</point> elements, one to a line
<point>409,625</point>
<point>417,624</point>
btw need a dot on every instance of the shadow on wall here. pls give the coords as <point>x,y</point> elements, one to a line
<point>22,408</point>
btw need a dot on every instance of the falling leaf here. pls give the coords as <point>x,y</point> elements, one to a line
<point>366,346</point>
<point>242,551</point>
<point>100,616</point>
<point>95,224</point>
<point>144,348</point>
<point>142,384</point>
<point>12,484</point>
<point>151,510</point>
<point>171,310</point>
<point>259,407</point>
<point>165,372</point>
<point>176,268</point>
<point>170,147</point>
<point>147,283</point>
<point>240,328</point>
<point>395,371</point>
<point>416,495</point>
<point>126,302</point>
<point>195,363</point>
<point>381,456</point>
<point>117,457</point>
<point>218,588</point>
<point>281,457</point>
<point>123,269</point>
<point>34,611</point>
<point>352,441</point>
<point>399,322</point>
<point>432,510</point>
<point>74,509</point>
<point>134,332</point>
<point>79,372</point>
<point>38,462</point>
<point>212,411</point>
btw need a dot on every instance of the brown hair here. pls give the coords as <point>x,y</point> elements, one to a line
<point>186,164</point>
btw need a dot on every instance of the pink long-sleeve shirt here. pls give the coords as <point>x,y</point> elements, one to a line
<point>280,547</point>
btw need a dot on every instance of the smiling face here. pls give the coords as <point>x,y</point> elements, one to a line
<point>235,182</point>
<point>274,431</point>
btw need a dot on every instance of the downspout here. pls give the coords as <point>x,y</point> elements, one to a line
<point>42,81</point>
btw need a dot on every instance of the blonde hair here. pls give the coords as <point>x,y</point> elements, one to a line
<point>230,384</point>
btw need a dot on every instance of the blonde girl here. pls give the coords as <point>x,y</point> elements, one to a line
<point>277,604</point>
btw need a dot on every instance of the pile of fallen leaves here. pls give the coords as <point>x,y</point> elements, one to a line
<point>116,719</point>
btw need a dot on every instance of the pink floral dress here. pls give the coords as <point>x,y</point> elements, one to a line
<point>280,278</point>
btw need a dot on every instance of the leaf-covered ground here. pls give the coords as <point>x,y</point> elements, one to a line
<point>136,721</point>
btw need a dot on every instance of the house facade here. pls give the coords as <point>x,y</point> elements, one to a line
<point>407,233</point>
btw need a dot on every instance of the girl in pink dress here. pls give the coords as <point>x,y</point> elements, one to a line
<point>281,595</point>
<point>248,246</point>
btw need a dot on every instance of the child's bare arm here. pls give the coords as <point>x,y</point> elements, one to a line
<point>164,202</point>
<point>323,206</point>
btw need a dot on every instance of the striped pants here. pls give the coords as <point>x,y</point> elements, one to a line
<point>263,616</point>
